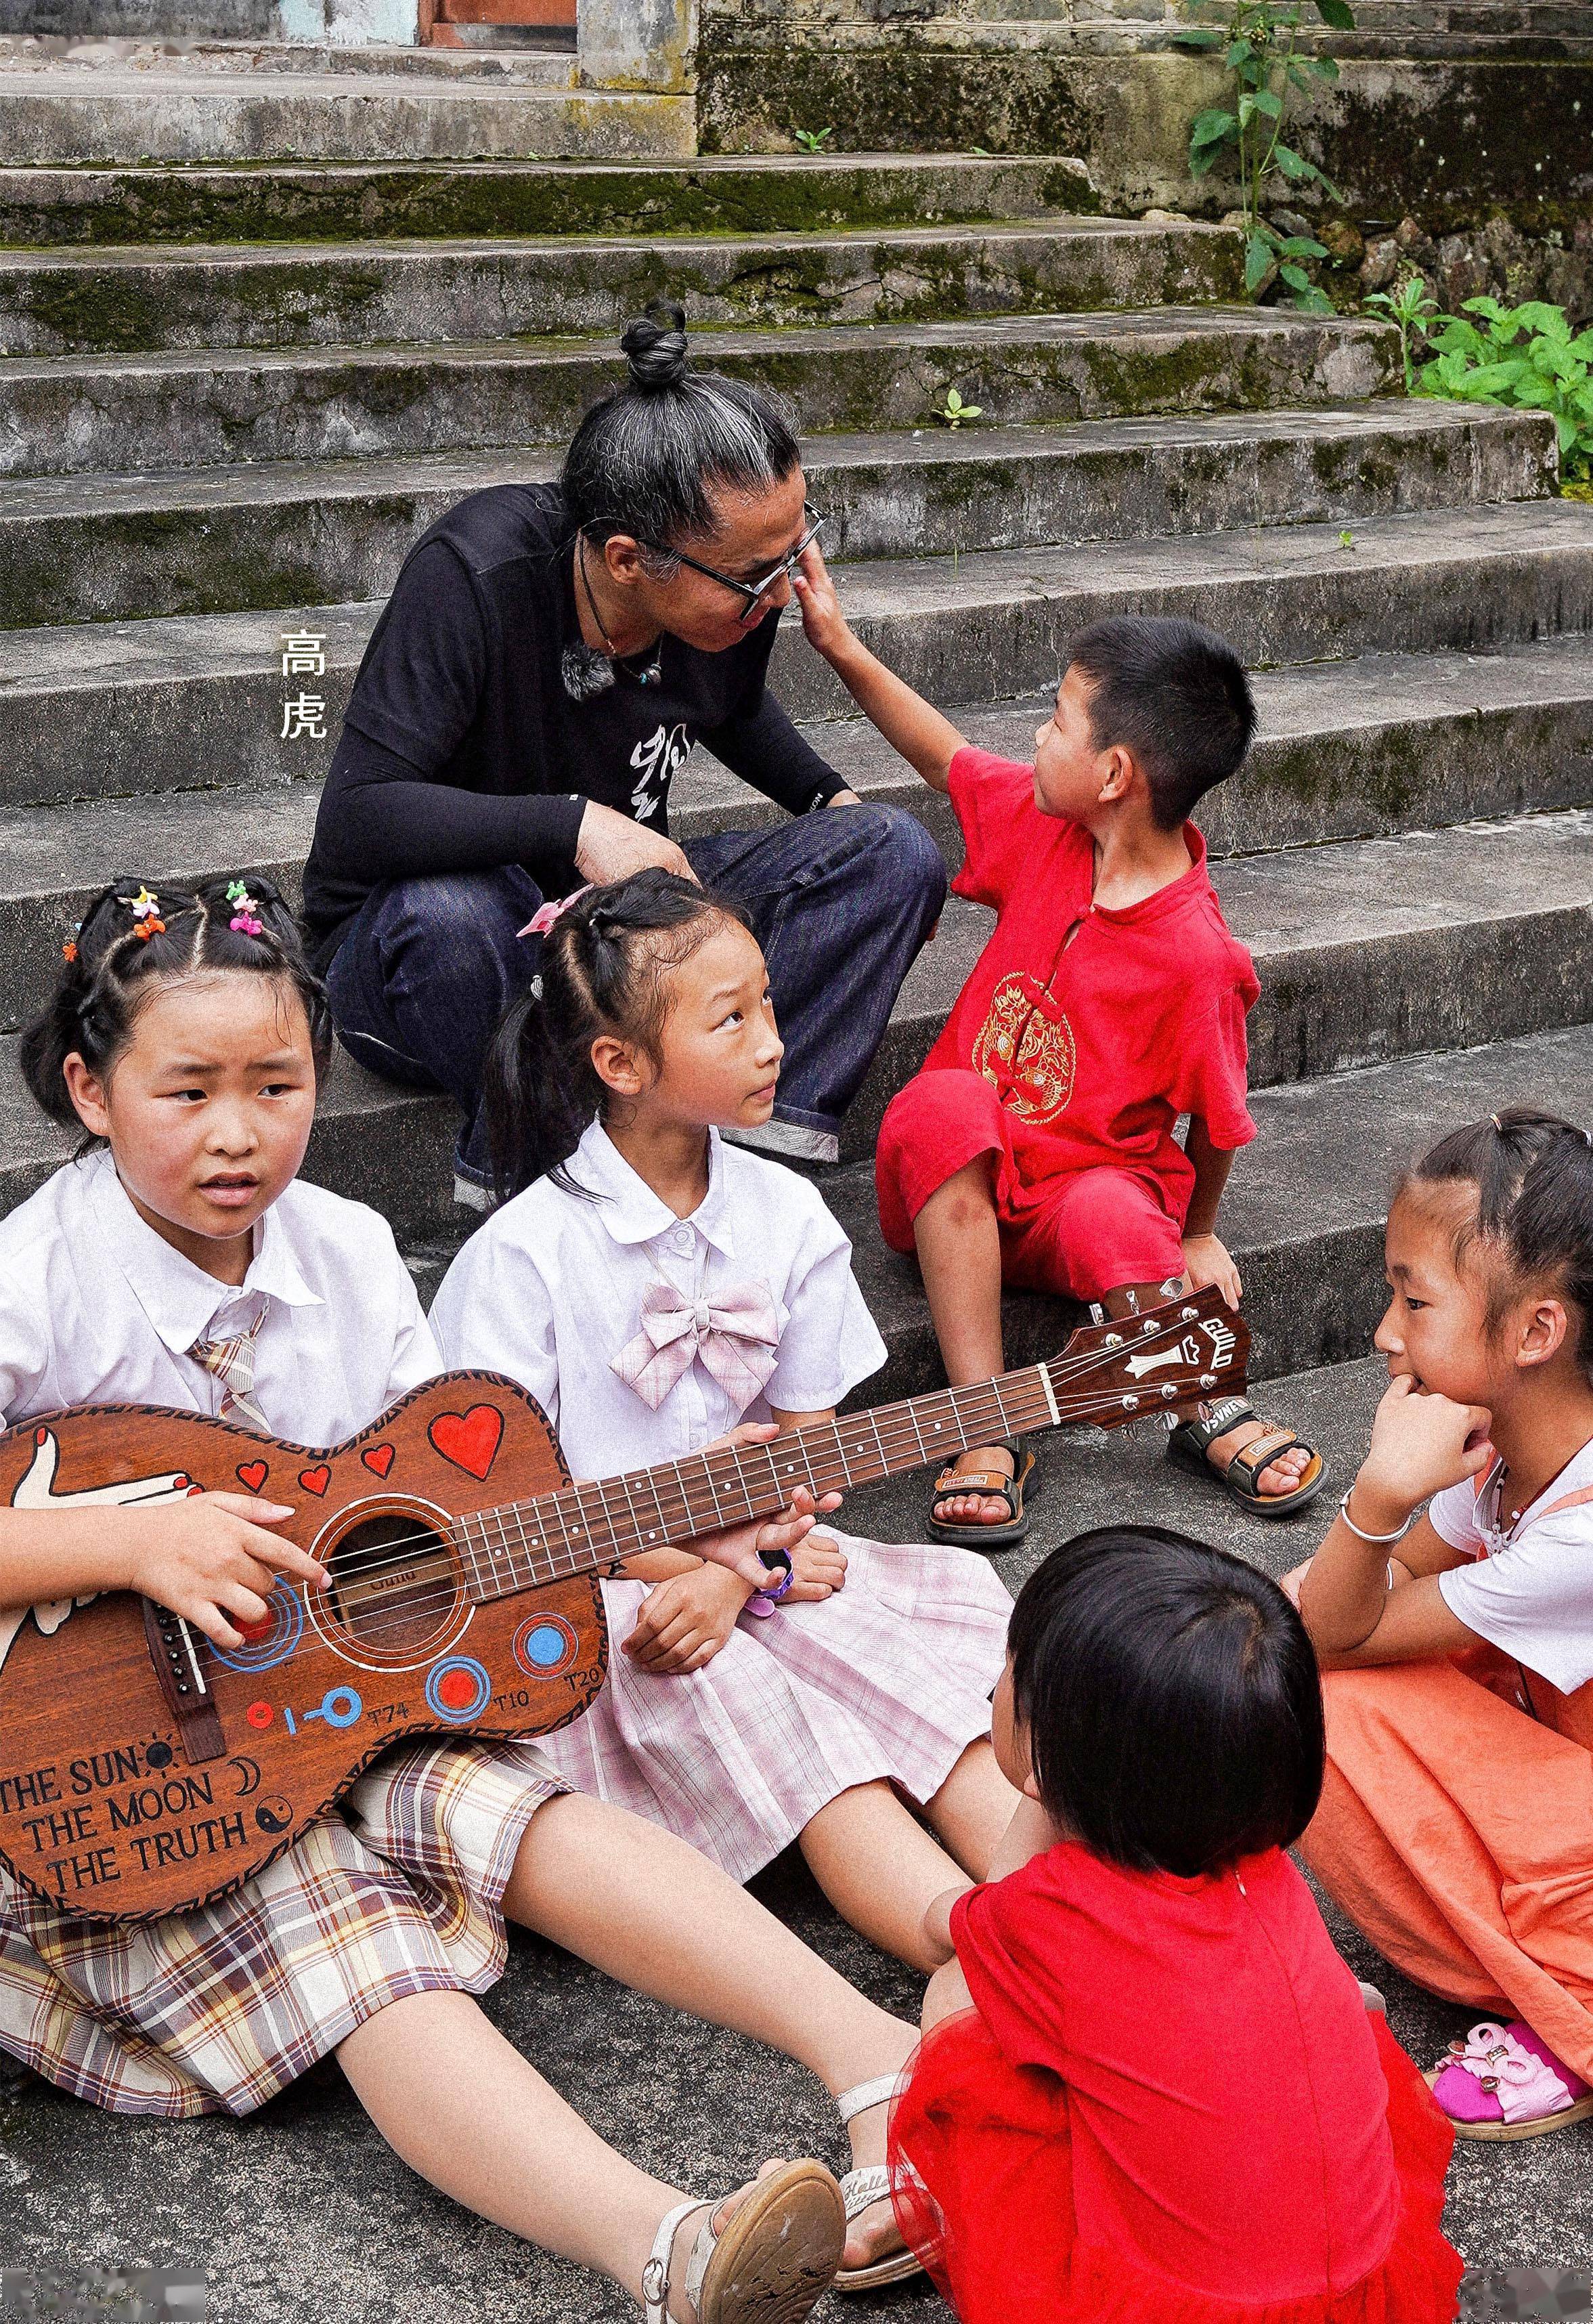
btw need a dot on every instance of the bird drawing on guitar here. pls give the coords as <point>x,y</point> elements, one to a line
<point>36,1491</point>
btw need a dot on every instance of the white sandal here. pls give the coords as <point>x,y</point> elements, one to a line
<point>869,2184</point>
<point>774,2258</point>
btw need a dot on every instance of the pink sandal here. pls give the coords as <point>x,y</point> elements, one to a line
<point>1503,2081</point>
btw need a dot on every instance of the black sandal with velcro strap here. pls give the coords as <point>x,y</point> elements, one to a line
<point>1191,1439</point>
<point>953,1480</point>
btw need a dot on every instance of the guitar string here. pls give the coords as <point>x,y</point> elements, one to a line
<point>584,1560</point>
<point>895,1417</point>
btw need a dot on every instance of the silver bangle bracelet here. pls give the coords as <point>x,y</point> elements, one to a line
<point>1379,1539</point>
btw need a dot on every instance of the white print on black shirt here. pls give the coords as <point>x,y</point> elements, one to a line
<point>657,758</point>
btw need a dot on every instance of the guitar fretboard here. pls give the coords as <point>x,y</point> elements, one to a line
<point>588,1528</point>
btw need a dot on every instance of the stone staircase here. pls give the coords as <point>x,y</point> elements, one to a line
<point>234,387</point>
<point>231,397</point>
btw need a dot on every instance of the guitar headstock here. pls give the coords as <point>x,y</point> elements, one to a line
<point>1111,1373</point>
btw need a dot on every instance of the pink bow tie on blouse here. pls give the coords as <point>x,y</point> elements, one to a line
<point>734,1334</point>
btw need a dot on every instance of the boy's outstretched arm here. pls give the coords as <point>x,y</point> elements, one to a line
<point>909,725</point>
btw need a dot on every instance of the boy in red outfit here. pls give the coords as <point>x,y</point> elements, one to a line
<point>1036,1147</point>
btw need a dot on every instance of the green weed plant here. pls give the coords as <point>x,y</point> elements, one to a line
<point>1528,357</point>
<point>1258,45</point>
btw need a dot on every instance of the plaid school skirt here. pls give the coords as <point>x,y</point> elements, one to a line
<point>398,1891</point>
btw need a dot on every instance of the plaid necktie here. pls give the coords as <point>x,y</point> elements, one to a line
<point>233,1363</point>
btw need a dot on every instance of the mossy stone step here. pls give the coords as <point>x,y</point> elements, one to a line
<point>68,415</point>
<point>249,538</point>
<point>1304,1215</point>
<point>163,703</point>
<point>134,301</point>
<point>713,194</point>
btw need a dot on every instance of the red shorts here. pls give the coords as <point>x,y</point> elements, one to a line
<point>1080,1234</point>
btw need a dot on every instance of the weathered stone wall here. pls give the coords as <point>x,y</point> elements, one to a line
<point>1491,160</point>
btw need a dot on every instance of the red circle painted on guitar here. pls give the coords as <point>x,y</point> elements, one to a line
<point>457,1689</point>
<point>259,1714</point>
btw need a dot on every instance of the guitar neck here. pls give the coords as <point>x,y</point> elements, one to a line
<point>590,1528</point>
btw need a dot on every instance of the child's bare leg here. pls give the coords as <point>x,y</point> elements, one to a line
<point>879,1868</point>
<point>641,1906</point>
<point>947,1993</point>
<point>972,1809</point>
<point>461,2106</point>
<point>960,1256</point>
<point>1279,1476</point>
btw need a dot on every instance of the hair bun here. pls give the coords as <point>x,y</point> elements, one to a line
<point>654,345</point>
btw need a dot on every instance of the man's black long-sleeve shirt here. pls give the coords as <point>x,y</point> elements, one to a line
<point>462,750</point>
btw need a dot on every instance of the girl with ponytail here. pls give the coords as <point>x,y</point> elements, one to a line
<point>180,1261</point>
<point>656,1288</point>
<point>1456,1825</point>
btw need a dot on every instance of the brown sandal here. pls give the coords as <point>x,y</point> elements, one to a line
<point>953,1480</point>
<point>1191,1439</point>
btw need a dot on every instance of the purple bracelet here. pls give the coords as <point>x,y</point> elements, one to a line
<point>763,1602</point>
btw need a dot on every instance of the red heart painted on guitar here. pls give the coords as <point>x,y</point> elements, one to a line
<point>316,1480</point>
<point>378,1459</point>
<point>252,1473</point>
<point>470,1439</point>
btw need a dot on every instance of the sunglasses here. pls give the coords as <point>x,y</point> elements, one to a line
<point>754,592</point>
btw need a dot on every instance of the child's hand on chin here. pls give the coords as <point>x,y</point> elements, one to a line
<point>1421,1443</point>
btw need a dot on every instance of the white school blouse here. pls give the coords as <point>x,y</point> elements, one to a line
<point>550,1288</point>
<point>1530,1592</point>
<point>96,1308</point>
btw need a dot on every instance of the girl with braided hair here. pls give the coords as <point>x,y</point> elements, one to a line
<point>181,1260</point>
<point>1456,1824</point>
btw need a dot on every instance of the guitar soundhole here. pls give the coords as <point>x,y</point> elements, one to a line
<point>392,1584</point>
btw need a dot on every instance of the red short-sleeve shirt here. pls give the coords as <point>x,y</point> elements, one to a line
<point>1227,2109</point>
<point>1095,1047</point>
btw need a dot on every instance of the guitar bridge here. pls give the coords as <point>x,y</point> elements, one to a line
<point>182,1682</point>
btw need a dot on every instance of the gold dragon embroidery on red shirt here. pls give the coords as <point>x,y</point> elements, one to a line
<point>1025,1050</point>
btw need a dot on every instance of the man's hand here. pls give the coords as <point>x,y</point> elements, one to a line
<point>1207,1261</point>
<point>611,847</point>
<point>684,1623</point>
<point>844,798</point>
<point>211,1560</point>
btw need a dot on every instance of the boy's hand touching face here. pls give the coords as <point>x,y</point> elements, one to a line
<point>1207,1261</point>
<point>823,624</point>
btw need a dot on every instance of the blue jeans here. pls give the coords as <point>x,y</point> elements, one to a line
<point>840,901</point>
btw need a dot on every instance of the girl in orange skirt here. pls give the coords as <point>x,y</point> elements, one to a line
<point>1456,1824</point>
<point>1167,2098</point>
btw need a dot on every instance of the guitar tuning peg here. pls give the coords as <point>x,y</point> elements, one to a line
<point>1097,1313</point>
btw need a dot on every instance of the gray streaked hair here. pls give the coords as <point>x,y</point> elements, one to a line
<point>644,461</point>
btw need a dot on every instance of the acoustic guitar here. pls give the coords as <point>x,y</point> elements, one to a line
<point>144,1770</point>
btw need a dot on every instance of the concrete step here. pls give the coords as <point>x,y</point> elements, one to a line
<point>1355,749</point>
<point>1367,948</point>
<point>1304,1215</point>
<point>712,194</point>
<point>108,547</point>
<point>191,53</point>
<point>60,114</point>
<point>144,705</point>
<point>1466,579</point>
<point>134,301</point>
<point>68,415</point>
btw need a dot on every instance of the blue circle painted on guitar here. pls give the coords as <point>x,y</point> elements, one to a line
<point>545,1645</point>
<point>271,1642</point>
<point>457,1689</point>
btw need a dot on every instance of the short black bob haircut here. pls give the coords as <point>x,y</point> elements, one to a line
<point>1176,696</point>
<point>1172,1701</point>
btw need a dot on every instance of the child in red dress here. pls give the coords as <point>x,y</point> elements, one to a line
<point>1035,1148</point>
<point>1168,2099</point>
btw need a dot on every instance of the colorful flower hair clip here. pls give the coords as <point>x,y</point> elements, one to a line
<point>145,910</point>
<point>247,918</point>
<point>69,951</point>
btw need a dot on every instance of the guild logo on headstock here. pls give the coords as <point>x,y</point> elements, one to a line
<point>1184,1352</point>
<point>1222,1341</point>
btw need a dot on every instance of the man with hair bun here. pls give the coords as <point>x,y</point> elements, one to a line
<point>551,655</point>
